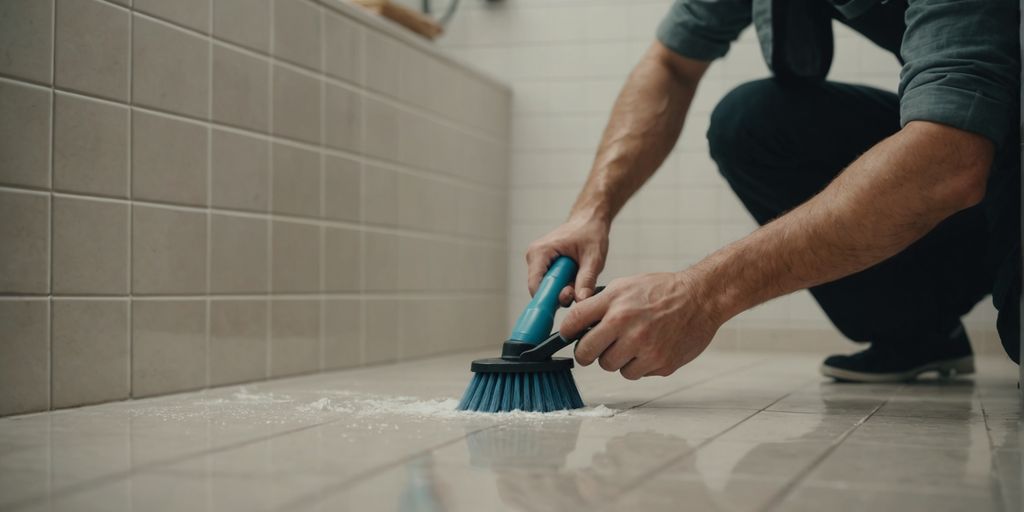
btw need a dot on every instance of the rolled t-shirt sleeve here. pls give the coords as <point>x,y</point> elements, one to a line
<point>962,65</point>
<point>704,29</point>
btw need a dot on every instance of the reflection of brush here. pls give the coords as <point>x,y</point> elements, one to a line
<point>526,377</point>
<point>524,446</point>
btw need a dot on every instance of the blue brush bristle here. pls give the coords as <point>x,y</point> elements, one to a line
<point>532,392</point>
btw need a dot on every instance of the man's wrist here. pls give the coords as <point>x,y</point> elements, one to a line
<point>593,212</point>
<point>720,287</point>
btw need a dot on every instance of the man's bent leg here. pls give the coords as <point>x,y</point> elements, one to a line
<point>777,146</point>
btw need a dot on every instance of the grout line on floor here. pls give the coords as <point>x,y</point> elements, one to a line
<point>778,498</point>
<point>998,482</point>
<point>319,494</point>
<point>99,481</point>
<point>647,475</point>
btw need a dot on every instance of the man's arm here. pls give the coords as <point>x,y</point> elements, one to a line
<point>644,125</point>
<point>887,199</point>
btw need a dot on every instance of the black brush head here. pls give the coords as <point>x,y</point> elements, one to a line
<point>500,365</point>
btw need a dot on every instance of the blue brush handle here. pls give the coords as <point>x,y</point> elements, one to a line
<point>534,324</point>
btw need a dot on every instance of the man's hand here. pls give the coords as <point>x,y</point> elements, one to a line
<point>582,239</point>
<point>650,324</point>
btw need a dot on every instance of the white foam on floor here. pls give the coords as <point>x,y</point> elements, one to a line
<point>244,396</point>
<point>277,408</point>
<point>436,408</point>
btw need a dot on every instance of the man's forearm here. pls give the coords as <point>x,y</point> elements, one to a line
<point>889,198</point>
<point>644,125</point>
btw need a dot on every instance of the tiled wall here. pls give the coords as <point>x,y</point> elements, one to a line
<point>204,192</point>
<point>566,61</point>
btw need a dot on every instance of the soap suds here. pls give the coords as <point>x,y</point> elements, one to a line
<point>445,408</point>
<point>244,396</point>
<point>277,408</point>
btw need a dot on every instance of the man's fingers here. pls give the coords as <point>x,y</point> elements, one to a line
<point>638,368</point>
<point>616,356</point>
<point>565,297</point>
<point>586,277</point>
<point>593,344</point>
<point>537,263</point>
<point>584,314</point>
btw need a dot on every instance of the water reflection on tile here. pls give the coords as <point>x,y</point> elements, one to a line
<point>730,432</point>
<point>736,494</point>
<point>907,467</point>
<point>813,498</point>
<point>924,407</point>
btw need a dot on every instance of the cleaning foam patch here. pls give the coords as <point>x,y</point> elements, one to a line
<point>314,406</point>
<point>368,406</point>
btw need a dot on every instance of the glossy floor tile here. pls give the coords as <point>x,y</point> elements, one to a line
<point>731,431</point>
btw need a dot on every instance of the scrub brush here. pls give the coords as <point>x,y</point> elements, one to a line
<point>526,377</point>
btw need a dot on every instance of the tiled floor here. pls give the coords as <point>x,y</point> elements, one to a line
<point>729,432</point>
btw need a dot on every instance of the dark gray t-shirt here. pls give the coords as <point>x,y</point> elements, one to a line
<point>961,58</point>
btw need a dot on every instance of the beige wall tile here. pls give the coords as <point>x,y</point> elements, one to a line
<point>170,68</point>
<point>294,337</point>
<point>238,341</point>
<point>24,356</point>
<point>90,247</point>
<point>173,73</point>
<point>343,254</point>
<point>240,165</point>
<point>430,83</point>
<point>24,135</point>
<point>90,351</point>
<point>342,333</point>
<point>168,251</point>
<point>90,146</point>
<point>380,195</point>
<point>343,50</point>
<point>419,140</point>
<point>381,127</point>
<point>244,22</point>
<point>296,105</point>
<point>426,327</point>
<point>241,89</point>
<point>169,159</point>
<point>420,264</point>
<point>381,328</point>
<point>92,48</point>
<point>297,32</point>
<point>381,261</point>
<point>383,58</point>
<point>426,203</point>
<point>26,34</point>
<point>296,257</point>
<point>343,109</point>
<point>238,254</point>
<point>342,188</point>
<point>168,346</point>
<point>25,237</point>
<point>194,14</point>
<point>296,181</point>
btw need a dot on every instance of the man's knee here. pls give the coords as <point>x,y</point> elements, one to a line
<point>744,121</point>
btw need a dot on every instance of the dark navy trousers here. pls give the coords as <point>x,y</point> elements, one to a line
<point>778,144</point>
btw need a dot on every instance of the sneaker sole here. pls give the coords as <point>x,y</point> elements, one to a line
<point>946,368</point>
